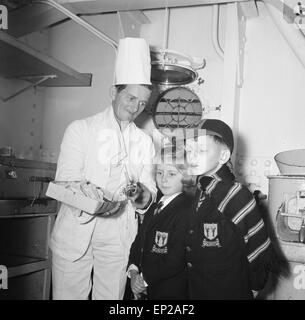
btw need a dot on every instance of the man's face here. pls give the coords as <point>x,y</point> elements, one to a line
<point>203,155</point>
<point>169,179</point>
<point>130,102</point>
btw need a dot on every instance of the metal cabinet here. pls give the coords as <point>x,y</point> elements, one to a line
<point>26,220</point>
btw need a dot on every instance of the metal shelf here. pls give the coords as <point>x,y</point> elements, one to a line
<point>24,251</point>
<point>24,163</point>
<point>21,61</point>
<point>21,265</point>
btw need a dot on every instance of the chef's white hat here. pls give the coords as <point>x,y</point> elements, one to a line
<point>133,62</point>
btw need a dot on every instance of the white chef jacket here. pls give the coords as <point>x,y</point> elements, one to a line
<point>96,150</point>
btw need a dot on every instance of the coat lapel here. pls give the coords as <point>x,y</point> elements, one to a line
<point>168,210</point>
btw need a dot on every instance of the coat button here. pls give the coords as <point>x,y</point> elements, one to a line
<point>188,249</point>
<point>191,231</point>
<point>189,265</point>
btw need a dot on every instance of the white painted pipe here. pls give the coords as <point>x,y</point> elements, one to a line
<point>80,21</point>
<point>289,31</point>
<point>215,30</point>
<point>166,28</point>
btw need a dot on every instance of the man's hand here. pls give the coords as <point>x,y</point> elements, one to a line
<point>141,197</point>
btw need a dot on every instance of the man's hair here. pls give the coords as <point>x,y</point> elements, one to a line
<point>121,87</point>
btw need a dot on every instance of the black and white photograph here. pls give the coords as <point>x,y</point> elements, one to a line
<point>152,150</point>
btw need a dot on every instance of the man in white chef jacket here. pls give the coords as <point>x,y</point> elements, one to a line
<point>108,150</point>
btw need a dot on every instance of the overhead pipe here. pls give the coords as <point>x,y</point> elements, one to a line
<point>79,21</point>
<point>166,27</point>
<point>291,33</point>
<point>215,31</point>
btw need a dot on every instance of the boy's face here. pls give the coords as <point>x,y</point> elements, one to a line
<point>203,155</point>
<point>169,179</point>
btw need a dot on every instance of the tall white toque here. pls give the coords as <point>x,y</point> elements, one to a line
<point>133,62</point>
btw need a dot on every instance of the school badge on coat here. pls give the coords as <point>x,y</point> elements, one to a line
<point>210,232</point>
<point>160,245</point>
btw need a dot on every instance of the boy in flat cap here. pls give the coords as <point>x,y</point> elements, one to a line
<point>228,248</point>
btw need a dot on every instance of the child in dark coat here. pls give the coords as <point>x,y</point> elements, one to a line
<point>229,253</point>
<point>157,256</point>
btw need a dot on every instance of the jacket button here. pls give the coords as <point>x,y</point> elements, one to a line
<point>191,231</point>
<point>189,265</point>
<point>188,249</point>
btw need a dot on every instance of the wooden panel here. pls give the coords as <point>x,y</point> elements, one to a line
<point>21,61</point>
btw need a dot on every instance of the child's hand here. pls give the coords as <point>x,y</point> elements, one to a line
<point>136,282</point>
